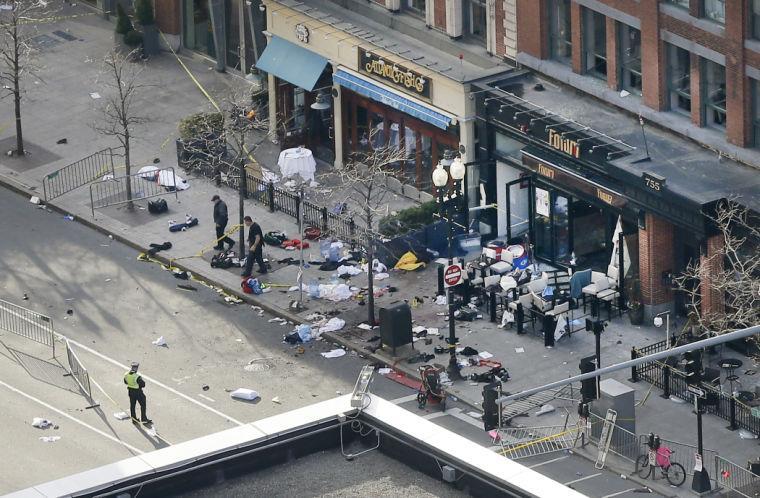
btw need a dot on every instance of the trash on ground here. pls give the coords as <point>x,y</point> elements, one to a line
<point>484,354</point>
<point>41,423</point>
<point>121,415</point>
<point>418,329</point>
<point>365,326</point>
<point>49,439</point>
<point>475,414</point>
<point>384,370</point>
<point>277,319</point>
<point>95,95</point>
<point>495,436</point>
<point>186,287</point>
<point>160,342</point>
<point>333,324</point>
<point>335,353</point>
<point>547,408</point>
<point>744,434</point>
<point>519,350</point>
<point>68,217</point>
<point>441,300</point>
<point>276,400</point>
<point>432,331</point>
<point>205,387</point>
<point>34,200</point>
<point>245,394</point>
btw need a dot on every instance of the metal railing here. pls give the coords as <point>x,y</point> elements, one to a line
<point>113,192</point>
<point>78,174</point>
<point>684,454</point>
<point>624,443</point>
<point>78,372</point>
<point>524,442</point>
<point>27,323</point>
<point>735,478</point>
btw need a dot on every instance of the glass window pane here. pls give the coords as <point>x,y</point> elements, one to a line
<point>425,179</point>
<point>756,113</point>
<point>416,6</point>
<point>561,229</point>
<point>681,3</point>
<point>630,58</point>
<point>298,107</point>
<point>714,99</point>
<point>714,10</point>
<point>679,79</point>
<point>595,43</point>
<point>754,14</point>
<point>560,31</point>
<point>542,223</point>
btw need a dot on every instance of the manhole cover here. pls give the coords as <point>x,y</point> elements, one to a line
<point>259,365</point>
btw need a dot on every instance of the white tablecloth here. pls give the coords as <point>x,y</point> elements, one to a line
<point>297,161</point>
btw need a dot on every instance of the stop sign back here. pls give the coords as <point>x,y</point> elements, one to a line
<point>452,275</point>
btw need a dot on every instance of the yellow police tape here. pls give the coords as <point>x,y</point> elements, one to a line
<point>539,440</point>
<point>190,74</point>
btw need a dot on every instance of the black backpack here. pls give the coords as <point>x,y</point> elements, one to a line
<point>158,206</point>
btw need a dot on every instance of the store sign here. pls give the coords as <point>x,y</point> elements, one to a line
<point>385,70</point>
<point>302,33</point>
<point>654,182</point>
<point>565,145</point>
<point>546,171</point>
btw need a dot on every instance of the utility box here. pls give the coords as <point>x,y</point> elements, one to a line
<point>619,397</point>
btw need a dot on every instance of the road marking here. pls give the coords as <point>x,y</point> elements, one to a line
<point>620,492</point>
<point>457,412</point>
<point>583,479</point>
<point>154,381</point>
<point>64,414</point>
<point>404,399</point>
<point>431,416</point>
<point>549,461</point>
<point>206,398</point>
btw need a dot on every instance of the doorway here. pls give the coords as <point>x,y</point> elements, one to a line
<point>519,209</point>
<point>594,227</point>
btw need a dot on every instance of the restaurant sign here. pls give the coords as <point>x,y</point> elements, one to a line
<point>391,72</point>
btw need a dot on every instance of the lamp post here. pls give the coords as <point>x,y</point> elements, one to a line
<point>441,181</point>
<point>658,324</point>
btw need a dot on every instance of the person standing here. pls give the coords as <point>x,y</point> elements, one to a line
<point>135,385</point>
<point>255,249</point>
<point>220,220</point>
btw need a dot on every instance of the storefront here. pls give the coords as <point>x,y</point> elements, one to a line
<point>377,96</point>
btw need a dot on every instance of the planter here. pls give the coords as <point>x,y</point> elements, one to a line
<point>636,315</point>
<point>150,40</point>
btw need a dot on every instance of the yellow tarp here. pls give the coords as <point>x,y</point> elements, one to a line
<point>408,262</point>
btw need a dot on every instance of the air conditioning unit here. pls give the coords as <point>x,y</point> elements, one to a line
<point>454,18</point>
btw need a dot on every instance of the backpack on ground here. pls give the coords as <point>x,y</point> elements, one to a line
<point>158,206</point>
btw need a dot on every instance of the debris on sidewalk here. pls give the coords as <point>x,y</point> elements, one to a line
<point>244,394</point>
<point>366,326</point>
<point>441,300</point>
<point>519,350</point>
<point>547,408</point>
<point>42,423</point>
<point>94,95</point>
<point>121,415</point>
<point>161,342</point>
<point>49,439</point>
<point>186,287</point>
<point>332,325</point>
<point>34,200</point>
<point>277,319</point>
<point>276,400</point>
<point>68,217</point>
<point>384,370</point>
<point>335,353</point>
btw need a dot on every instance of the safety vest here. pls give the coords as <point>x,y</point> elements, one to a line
<point>131,379</point>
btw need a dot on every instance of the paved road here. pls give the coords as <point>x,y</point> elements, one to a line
<point>118,306</point>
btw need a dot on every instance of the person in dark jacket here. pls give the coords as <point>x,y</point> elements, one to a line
<point>135,385</point>
<point>255,251</point>
<point>220,220</point>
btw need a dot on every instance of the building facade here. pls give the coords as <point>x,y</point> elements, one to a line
<point>692,66</point>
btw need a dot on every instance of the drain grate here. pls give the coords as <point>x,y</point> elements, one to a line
<point>64,35</point>
<point>41,42</point>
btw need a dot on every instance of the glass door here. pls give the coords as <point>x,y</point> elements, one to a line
<point>518,208</point>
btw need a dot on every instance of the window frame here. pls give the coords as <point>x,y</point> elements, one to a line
<point>706,15</point>
<point>591,71</point>
<point>470,6</point>
<point>673,91</point>
<point>755,118</point>
<point>707,106</point>
<point>754,19</point>
<point>624,64</point>
<point>554,36</point>
<point>681,4</point>
<point>409,8</point>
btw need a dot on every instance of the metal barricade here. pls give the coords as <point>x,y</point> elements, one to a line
<point>524,442</point>
<point>684,454</point>
<point>78,174</point>
<point>624,443</point>
<point>78,372</point>
<point>113,192</point>
<point>736,478</point>
<point>27,323</point>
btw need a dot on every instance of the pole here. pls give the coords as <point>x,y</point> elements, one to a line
<point>300,235</point>
<point>242,191</point>
<point>700,483</point>
<point>598,346</point>
<point>453,369</point>
<point>667,330</point>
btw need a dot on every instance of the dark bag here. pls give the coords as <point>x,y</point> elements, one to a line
<point>222,260</point>
<point>158,206</point>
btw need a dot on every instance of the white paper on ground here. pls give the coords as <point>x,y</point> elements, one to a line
<point>365,326</point>
<point>418,329</point>
<point>41,423</point>
<point>384,371</point>
<point>121,415</point>
<point>485,355</point>
<point>160,341</point>
<point>474,414</point>
<point>432,331</point>
<point>49,439</point>
<point>335,353</point>
<point>243,393</point>
<point>519,350</point>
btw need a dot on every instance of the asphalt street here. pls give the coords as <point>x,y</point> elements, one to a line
<point>111,307</point>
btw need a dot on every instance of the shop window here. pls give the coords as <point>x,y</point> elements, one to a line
<point>508,146</point>
<point>630,58</point>
<point>426,162</point>
<point>715,10</point>
<point>754,19</point>
<point>560,31</point>
<point>714,99</point>
<point>756,112</point>
<point>561,228</point>
<point>299,118</point>
<point>416,7</point>
<point>595,44</point>
<point>197,27</point>
<point>679,79</point>
<point>476,21</point>
<point>680,3</point>
<point>542,226</point>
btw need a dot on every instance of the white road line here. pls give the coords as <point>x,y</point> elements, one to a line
<point>64,414</point>
<point>583,479</point>
<point>431,416</point>
<point>154,381</point>
<point>620,492</point>
<point>549,461</point>
<point>456,412</point>
<point>404,399</point>
<point>206,398</point>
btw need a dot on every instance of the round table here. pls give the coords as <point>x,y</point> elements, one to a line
<point>297,161</point>
<point>729,365</point>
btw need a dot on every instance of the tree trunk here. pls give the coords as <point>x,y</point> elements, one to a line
<point>128,167</point>
<point>17,94</point>
<point>370,283</point>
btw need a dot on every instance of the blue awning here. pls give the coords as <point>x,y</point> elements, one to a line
<point>392,99</point>
<point>292,63</point>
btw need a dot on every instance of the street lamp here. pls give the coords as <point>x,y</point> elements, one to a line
<point>658,323</point>
<point>441,180</point>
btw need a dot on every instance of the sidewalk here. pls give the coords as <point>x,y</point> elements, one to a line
<point>71,69</point>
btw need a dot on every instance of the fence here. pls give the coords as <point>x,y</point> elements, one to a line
<point>79,373</point>
<point>673,382</point>
<point>738,480</point>
<point>112,192</point>
<point>78,174</point>
<point>624,443</point>
<point>331,224</point>
<point>27,323</point>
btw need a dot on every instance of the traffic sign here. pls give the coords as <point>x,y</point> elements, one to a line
<point>452,275</point>
<point>699,393</point>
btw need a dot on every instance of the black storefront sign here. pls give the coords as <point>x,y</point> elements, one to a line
<point>388,71</point>
<point>567,179</point>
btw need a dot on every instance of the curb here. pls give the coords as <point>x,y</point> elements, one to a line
<point>27,191</point>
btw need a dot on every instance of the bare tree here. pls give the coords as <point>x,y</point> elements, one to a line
<point>363,180</point>
<point>120,109</point>
<point>17,27</point>
<point>731,275</point>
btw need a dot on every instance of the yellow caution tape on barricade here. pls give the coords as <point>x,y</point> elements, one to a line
<point>539,440</point>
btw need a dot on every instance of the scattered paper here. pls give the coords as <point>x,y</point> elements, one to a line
<point>384,371</point>
<point>474,414</point>
<point>121,415</point>
<point>95,95</point>
<point>432,331</point>
<point>485,355</point>
<point>35,200</point>
<point>440,300</point>
<point>365,326</point>
<point>243,393</point>
<point>418,329</point>
<point>547,408</point>
<point>519,350</point>
<point>335,353</point>
<point>159,342</point>
<point>49,439</point>
<point>41,423</point>
<point>276,400</point>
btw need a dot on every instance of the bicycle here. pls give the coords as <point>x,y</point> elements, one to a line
<point>659,456</point>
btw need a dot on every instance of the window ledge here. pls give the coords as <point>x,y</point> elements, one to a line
<point>753,45</point>
<point>683,15</point>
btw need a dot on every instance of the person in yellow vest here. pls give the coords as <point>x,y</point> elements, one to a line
<point>135,385</point>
